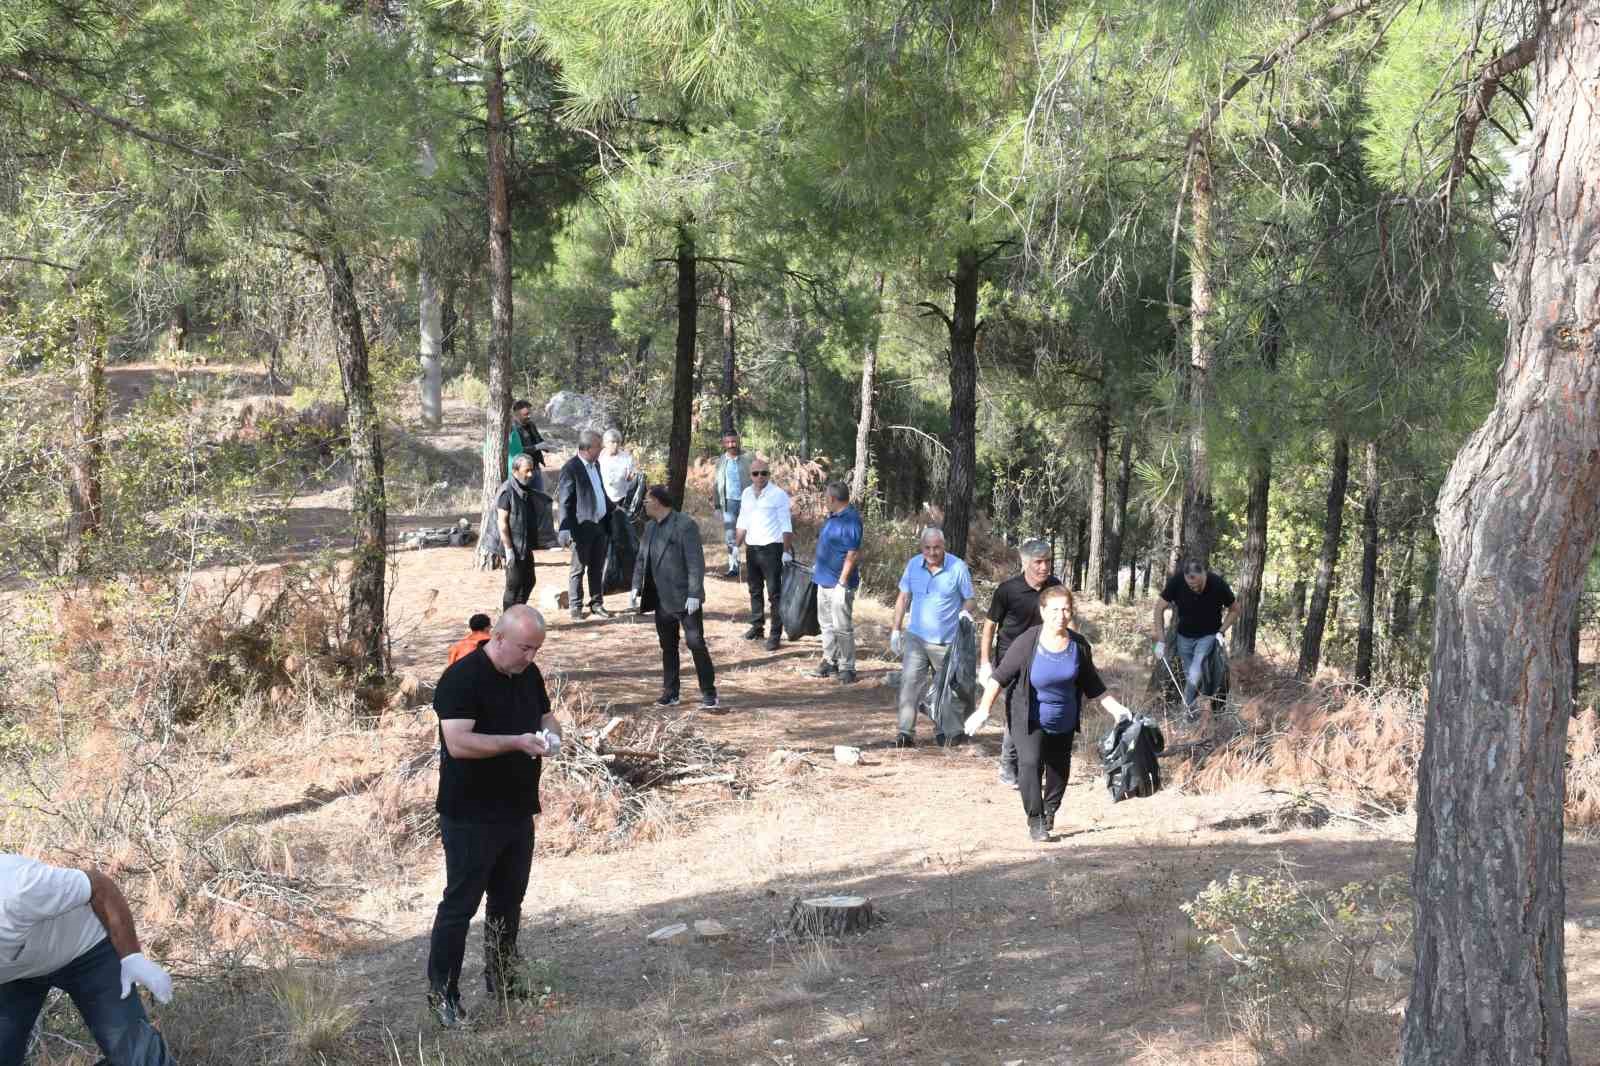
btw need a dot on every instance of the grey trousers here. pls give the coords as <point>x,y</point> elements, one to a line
<point>920,662</point>
<point>835,614</point>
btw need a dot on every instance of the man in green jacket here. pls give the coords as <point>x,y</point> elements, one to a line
<point>524,439</point>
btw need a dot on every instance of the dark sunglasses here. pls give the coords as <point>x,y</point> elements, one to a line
<point>758,473</point>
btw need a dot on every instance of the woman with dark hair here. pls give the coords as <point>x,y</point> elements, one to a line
<point>477,633</point>
<point>669,579</point>
<point>1049,675</point>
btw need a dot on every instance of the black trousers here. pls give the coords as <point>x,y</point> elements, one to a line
<point>480,858</point>
<point>519,581</point>
<point>763,565</point>
<point>589,542</point>
<point>1041,757</point>
<point>694,635</point>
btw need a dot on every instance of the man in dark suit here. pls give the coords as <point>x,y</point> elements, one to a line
<point>669,579</point>
<point>584,519</point>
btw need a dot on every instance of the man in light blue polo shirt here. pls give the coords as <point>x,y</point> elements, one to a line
<point>936,592</point>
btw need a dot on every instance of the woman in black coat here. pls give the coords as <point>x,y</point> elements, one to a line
<point>1048,675</point>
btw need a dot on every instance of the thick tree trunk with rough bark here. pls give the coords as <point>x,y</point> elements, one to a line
<point>869,374</point>
<point>1253,566</point>
<point>1097,506</point>
<point>1518,516</point>
<point>1119,518</point>
<point>368,507</point>
<point>88,447</point>
<point>1327,562</point>
<point>1199,528</point>
<point>1369,566</point>
<point>963,476</point>
<point>730,418</point>
<point>497,413</point>
<point>683,368</point>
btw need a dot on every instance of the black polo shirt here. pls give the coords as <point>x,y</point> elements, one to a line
<point>1015,610</point>
<point>502,788</point>
<point>1199,613</point>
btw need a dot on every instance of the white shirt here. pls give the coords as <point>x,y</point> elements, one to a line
<point>617,472</point>
<point>45,920</point>
<point>764,518</point>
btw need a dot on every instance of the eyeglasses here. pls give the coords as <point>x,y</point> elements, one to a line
<point>758,473</point>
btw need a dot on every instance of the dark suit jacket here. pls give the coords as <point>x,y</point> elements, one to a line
<point>671,566</point>
<point>575,485</point>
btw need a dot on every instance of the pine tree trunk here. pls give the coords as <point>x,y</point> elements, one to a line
<point>368,507</point>
<point>1327,562</point>
<point>1199,530</point>
<point>1369,567</point>
<point>1518,516</point>
<point>1119,518</point>
<point>431,336</point>
<point>88,446</point>
<point>497,413</point>
<point>683,368</point>
<point>1097,506</point>
<point>805,410</point>
<point>869,373</point>
<point>1400,605</point>
<point>1080,555</point>
<point>962,480</point>
<point>1254,564</point>
<point>730,417</point>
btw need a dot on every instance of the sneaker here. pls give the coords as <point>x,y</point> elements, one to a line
<point>1008,777</point>
<point>576,614</point>
<point>905,740</point>
<point>709,702</point>
<point>826,669</point>
<point>599,611</point>
<point>754,633</point>
<point>847,677</point>
<point>773,642</point>
<point>447,1010</point>
<point>667,700</point>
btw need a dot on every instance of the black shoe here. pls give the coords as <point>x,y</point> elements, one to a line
<point>667,699</point>
<point>826,669</point>
<point>1050,819</point>
<point>1008,776</point>
<point>507,985</point>
<point>447,1010</point>
<point>847,677</point>
<point>708,702</point>
<point>905,740</point>
<point>938,740</point>
<point>1037,830</point>
<point>773,642</point>
<point>959,740</point>
<point>754,633</point>
<point>576,614</point>
<point>599,611</point>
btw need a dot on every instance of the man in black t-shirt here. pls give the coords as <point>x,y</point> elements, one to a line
<point>1199,598</point>
<point>1013,611</point>
<point>495,728</point>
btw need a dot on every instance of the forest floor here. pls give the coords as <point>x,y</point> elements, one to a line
<point>988,948</point>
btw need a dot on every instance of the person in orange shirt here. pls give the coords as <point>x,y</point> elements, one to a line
<point>478,625</point>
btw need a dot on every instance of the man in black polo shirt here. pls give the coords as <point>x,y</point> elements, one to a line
<point>1199,597</point>
<point>495,727</point>
<point>1013,611</point>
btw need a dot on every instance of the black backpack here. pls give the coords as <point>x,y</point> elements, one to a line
<point>1129,753</point>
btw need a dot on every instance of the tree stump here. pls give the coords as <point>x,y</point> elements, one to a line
<point>829,915</point>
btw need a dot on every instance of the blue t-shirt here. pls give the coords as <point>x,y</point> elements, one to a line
<point>936,599</point>
<point>732,487</point>
<point>1054,677</point>
<point>841,534</point>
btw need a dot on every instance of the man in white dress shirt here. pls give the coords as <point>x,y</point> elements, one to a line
<point>72,930</point>
<point>766,532</point>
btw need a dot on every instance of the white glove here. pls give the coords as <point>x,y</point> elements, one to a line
<point>894,643</point>
<point>633,601</point>
<point>691,605</point>
<point>967,615</point>
<point>138,970</point>
<point>975,722</point>
<point>984,672</point>
<point>1118,711</point>
<point>564,538</point>
<point>788,557</point>
<point>552,743</point>
<point>1161,649</point>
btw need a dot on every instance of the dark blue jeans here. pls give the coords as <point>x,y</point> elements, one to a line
<point>94,982</point>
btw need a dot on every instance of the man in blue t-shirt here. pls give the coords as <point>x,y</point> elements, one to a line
<point>836,576</point>
<point>935,594</point>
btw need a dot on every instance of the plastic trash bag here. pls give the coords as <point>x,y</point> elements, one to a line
<point>797,609</point>
<point>1128,752</point>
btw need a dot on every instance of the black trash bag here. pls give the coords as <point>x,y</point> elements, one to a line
<point>798,607</point>
<point>954,694</point>
<point>1129,753</point>
<point>622,550</point>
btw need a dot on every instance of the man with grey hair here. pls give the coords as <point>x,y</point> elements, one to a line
<point>1013,611</point>
<point>836,576</point>
<point>584,519</point>
<point>1199,598</point>
<point>496,728</point>
<point>935,595</point>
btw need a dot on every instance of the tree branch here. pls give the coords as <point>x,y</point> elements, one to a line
<point>935,309</point>
<point>37,262</point>
<point>1498,69</point>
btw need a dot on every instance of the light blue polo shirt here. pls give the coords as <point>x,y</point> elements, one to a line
<point>936,599</point>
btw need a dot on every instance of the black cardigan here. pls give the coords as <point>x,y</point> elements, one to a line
<point>1012,675</point>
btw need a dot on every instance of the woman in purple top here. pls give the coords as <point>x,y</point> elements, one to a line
<point>1054,672</point>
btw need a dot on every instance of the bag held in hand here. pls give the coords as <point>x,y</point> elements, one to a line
<point>798,607</point>
<point>1129,753</point>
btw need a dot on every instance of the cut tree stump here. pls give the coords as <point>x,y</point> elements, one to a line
<point>829,915</point>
